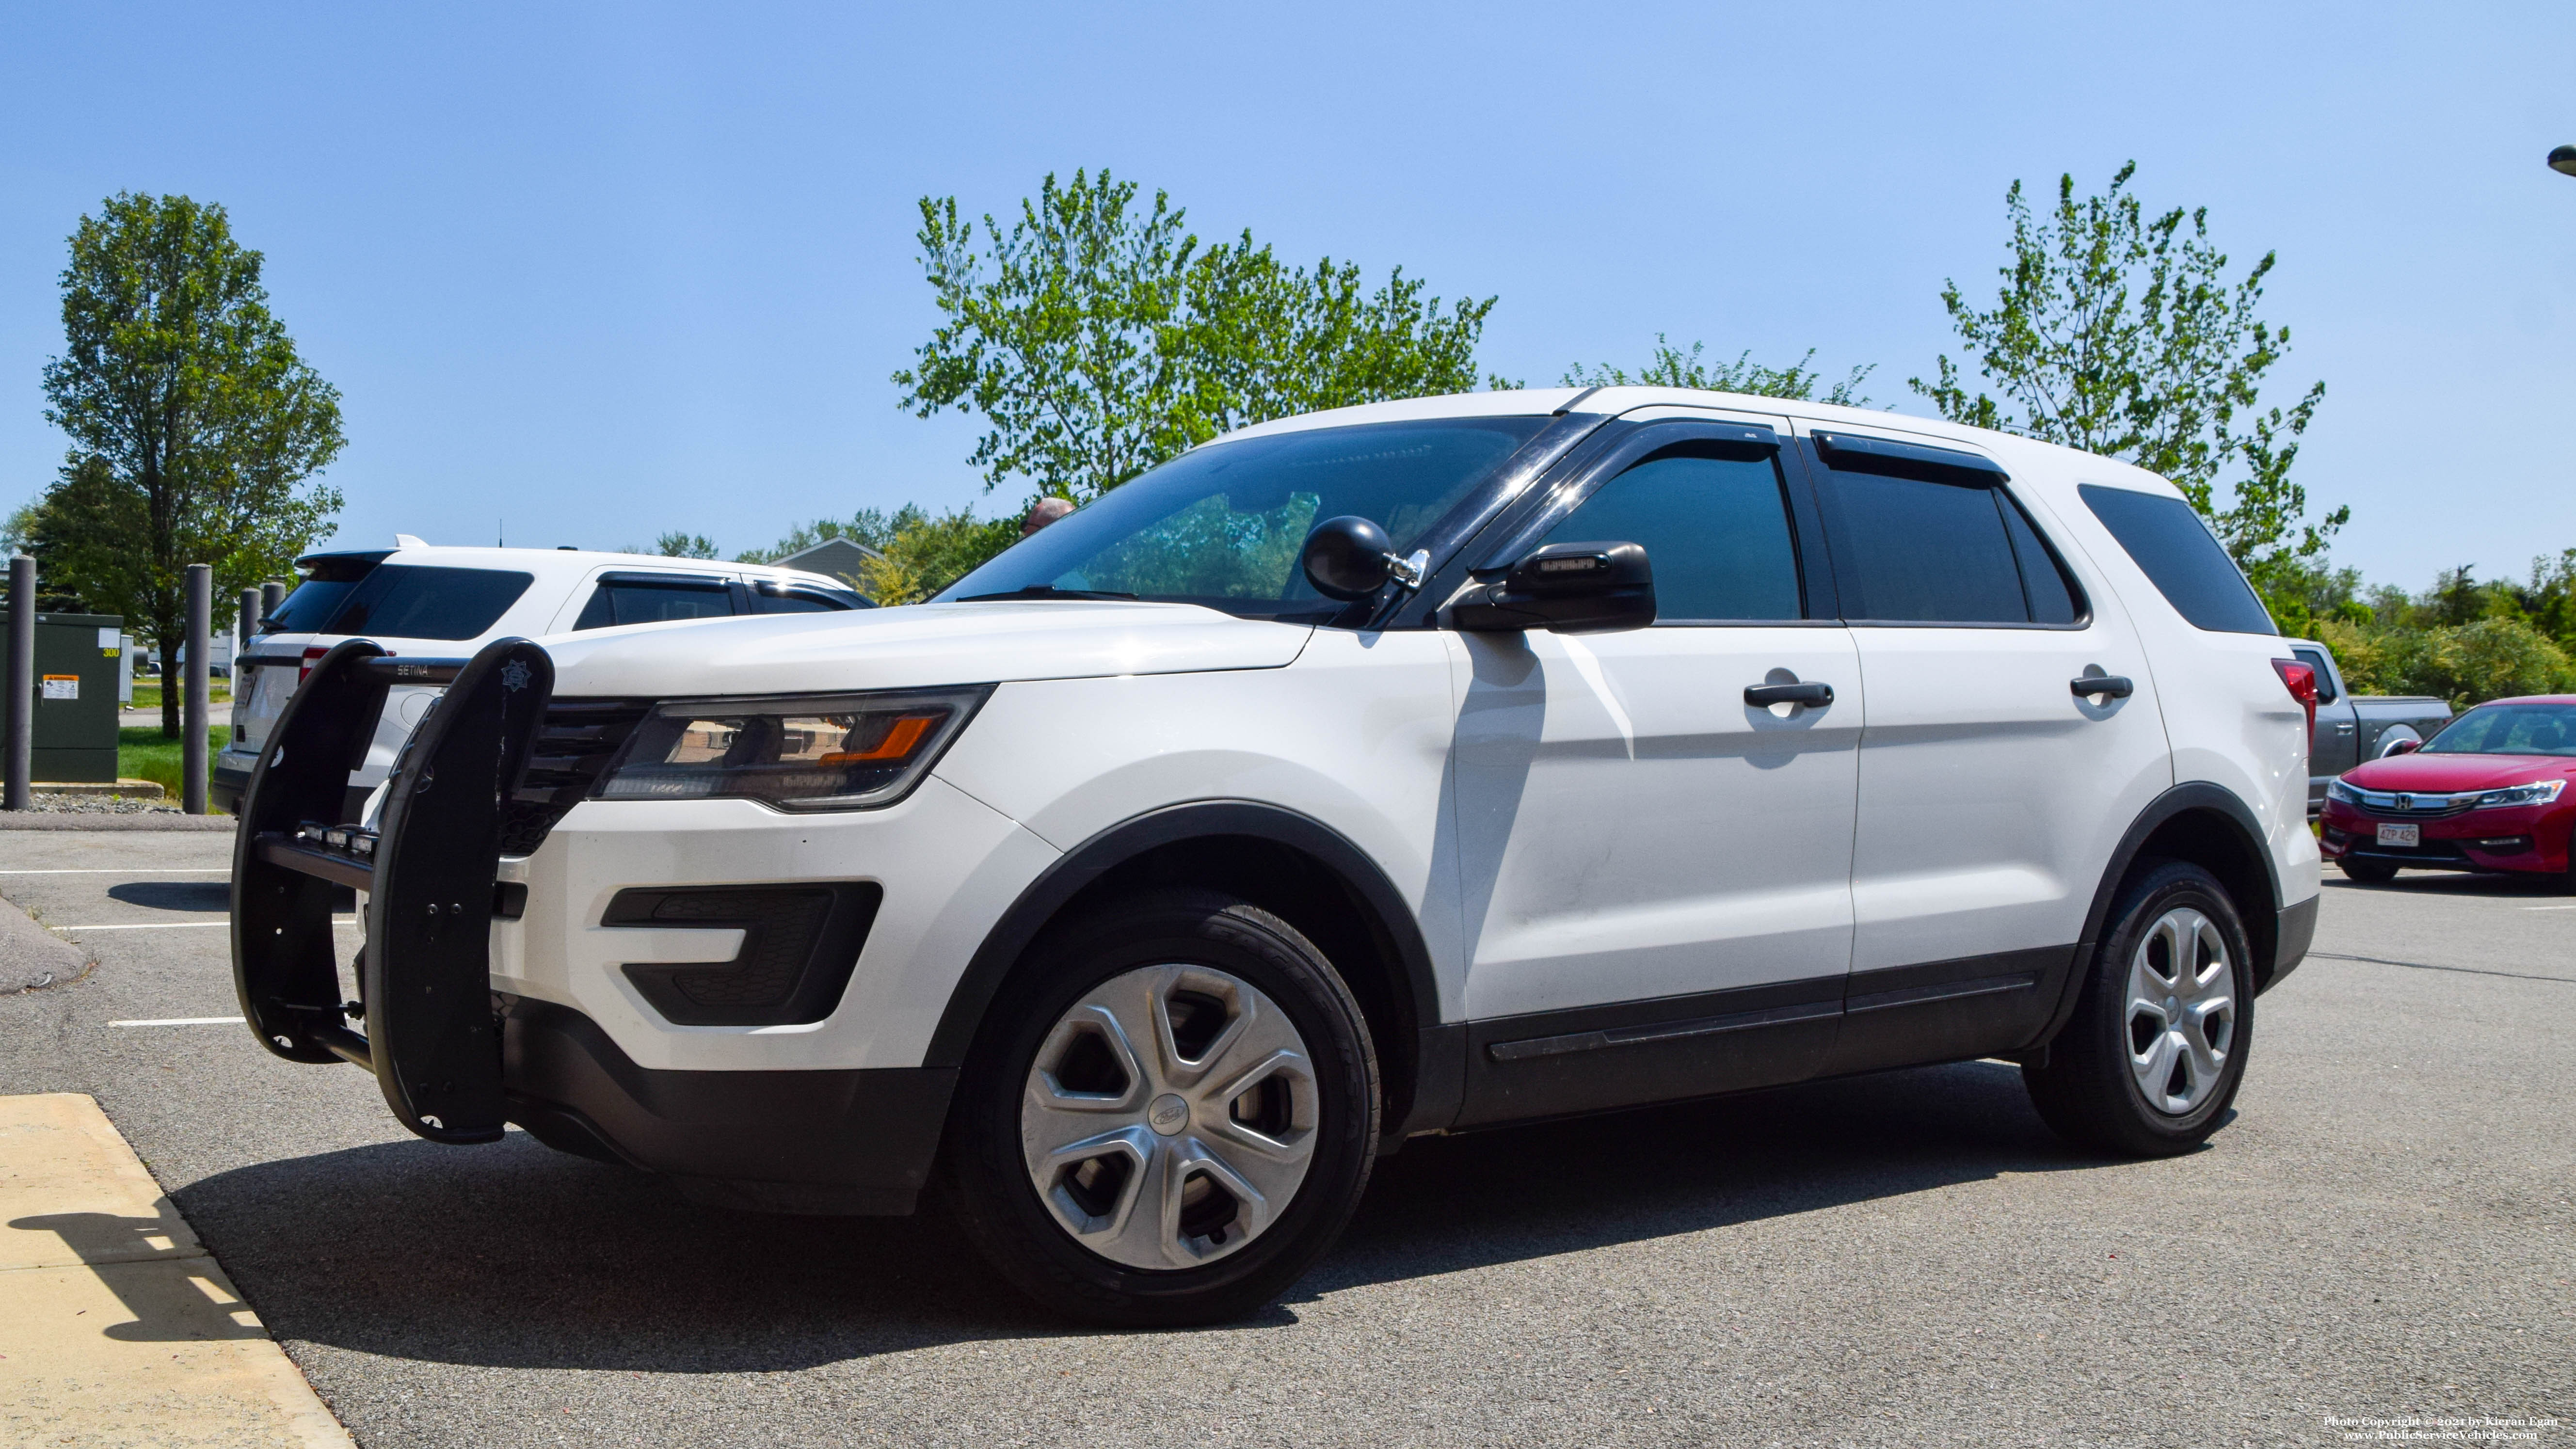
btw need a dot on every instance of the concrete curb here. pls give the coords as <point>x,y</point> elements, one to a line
<point>70,820</point>
<point>119,1327</point>
<point>32,958</point>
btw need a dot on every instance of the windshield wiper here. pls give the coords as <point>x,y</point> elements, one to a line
<point>1045,591</point>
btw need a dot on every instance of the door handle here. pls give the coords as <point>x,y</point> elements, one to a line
<point>2110,686</point>
<point>1816,695</point>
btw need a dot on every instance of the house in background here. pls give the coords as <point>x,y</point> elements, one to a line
<point>834,557</point>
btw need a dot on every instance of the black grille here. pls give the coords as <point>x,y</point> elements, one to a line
<point>578,740</point>
<point>799,944</point>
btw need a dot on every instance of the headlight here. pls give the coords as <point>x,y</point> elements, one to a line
<point>2536,794</point>
<point>808,752</point>
<point>2338,790</point>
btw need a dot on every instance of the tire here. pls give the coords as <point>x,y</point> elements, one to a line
<point>2368,872</point>
<point>2151,1060</point>
<point>1102,1075</point>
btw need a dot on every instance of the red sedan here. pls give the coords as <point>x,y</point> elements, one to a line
<point>2488,793</point>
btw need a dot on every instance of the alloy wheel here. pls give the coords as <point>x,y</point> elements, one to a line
<point>1170,1116</point>
<point>2181,1021</point>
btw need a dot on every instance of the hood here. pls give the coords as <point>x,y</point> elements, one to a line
<point>915,647</point>
<point>2446,773</point>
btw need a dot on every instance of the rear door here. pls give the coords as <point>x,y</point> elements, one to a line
<point>1992,795</point>
<point>615,596</point>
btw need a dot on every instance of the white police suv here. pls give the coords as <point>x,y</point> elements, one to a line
<point>1420,767</point>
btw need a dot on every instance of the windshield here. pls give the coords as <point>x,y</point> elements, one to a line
<point>1222,525</point>
<point>2509,729</point>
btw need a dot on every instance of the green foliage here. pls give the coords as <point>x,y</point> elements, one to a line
<point>2122,335</point>
<point>1673,367</point>
<point>683,545</point>
<point>924,554</point>
<point>194,424</point>
<point>2465,664</point>
<point>1098,337</point>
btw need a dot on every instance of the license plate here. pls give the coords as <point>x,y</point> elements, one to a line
<point>2409,836</point>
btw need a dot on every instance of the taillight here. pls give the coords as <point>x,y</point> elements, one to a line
<point>314,656</point>
<point>2301,681</point>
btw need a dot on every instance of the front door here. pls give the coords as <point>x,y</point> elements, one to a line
<point>1655,873</point>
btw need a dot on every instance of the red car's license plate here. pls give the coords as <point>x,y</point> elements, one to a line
<point>2409,836</point>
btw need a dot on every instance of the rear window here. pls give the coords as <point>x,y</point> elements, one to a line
<point>2183,558</point>
<point>409,601</point>
<point>308,610</point>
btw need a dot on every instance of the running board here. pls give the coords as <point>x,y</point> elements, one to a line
<point>425,991</point>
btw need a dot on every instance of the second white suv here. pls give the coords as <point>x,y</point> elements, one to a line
<point>418,598</point>
<point>1413,768</point>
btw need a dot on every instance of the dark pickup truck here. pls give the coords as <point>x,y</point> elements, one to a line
<point>2352,728</point>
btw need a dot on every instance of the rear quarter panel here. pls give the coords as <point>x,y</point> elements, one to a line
<point>2231,721</point>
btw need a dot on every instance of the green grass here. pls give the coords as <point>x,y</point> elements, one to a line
<point>148,696</point>
<point>142,754</point>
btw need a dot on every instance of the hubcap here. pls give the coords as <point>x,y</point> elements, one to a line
<point>2182,1011</point>
<point>1169,1117</point>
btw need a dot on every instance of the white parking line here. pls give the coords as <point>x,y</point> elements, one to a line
<point>177,925</point>
<point>114,870</point>
<point>2549,908</point>
<point>184,1021</point>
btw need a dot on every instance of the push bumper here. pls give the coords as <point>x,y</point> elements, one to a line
<point>432,1039</point>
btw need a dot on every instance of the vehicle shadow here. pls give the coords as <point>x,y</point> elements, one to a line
<point>174,895</point>
<point>516,1256</point>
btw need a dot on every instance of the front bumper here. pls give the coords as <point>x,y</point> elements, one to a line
<point>2529,840</point>
<point>854,1141</point>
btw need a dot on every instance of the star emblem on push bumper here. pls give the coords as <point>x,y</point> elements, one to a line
<point>514,675</point>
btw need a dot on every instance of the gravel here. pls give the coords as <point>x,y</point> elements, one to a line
<point>2384,1229</point>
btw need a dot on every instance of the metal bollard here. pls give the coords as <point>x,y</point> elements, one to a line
<point>19,794</point>
<point>271,594</point>
<point>201,645</point>
<point>245,629</point>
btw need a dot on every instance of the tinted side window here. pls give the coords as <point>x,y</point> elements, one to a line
<point>641,603</point>
<point>2325,677</point>
<point>1715,528</point>
<point>2183,558</point>
<point>409,601</point>
<point>2043,578</point>
<point>1914,551</point>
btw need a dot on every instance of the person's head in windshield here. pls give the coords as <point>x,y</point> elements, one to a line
<point>1043,512</point>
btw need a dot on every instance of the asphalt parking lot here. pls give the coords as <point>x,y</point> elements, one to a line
<point>2384,1230</point>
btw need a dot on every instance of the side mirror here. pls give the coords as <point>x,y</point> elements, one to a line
<point>1350,558</point>
<point>1565,588</point>
<point>2405,747</point>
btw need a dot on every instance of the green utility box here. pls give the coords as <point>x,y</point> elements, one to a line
<point>76,662</point>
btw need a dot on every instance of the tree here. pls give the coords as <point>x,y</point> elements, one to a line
<point>683,545</point>
<point>924,554</point>
<point>2121,335</point>
<point>195,427</point>
<point>1098,337</point>
<point>1673,367</point>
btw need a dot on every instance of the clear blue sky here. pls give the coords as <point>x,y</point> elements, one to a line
<point>607,270</point>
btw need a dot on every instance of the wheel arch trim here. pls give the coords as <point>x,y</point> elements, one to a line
<point>1086,864</point>
<point>2262,924</point>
